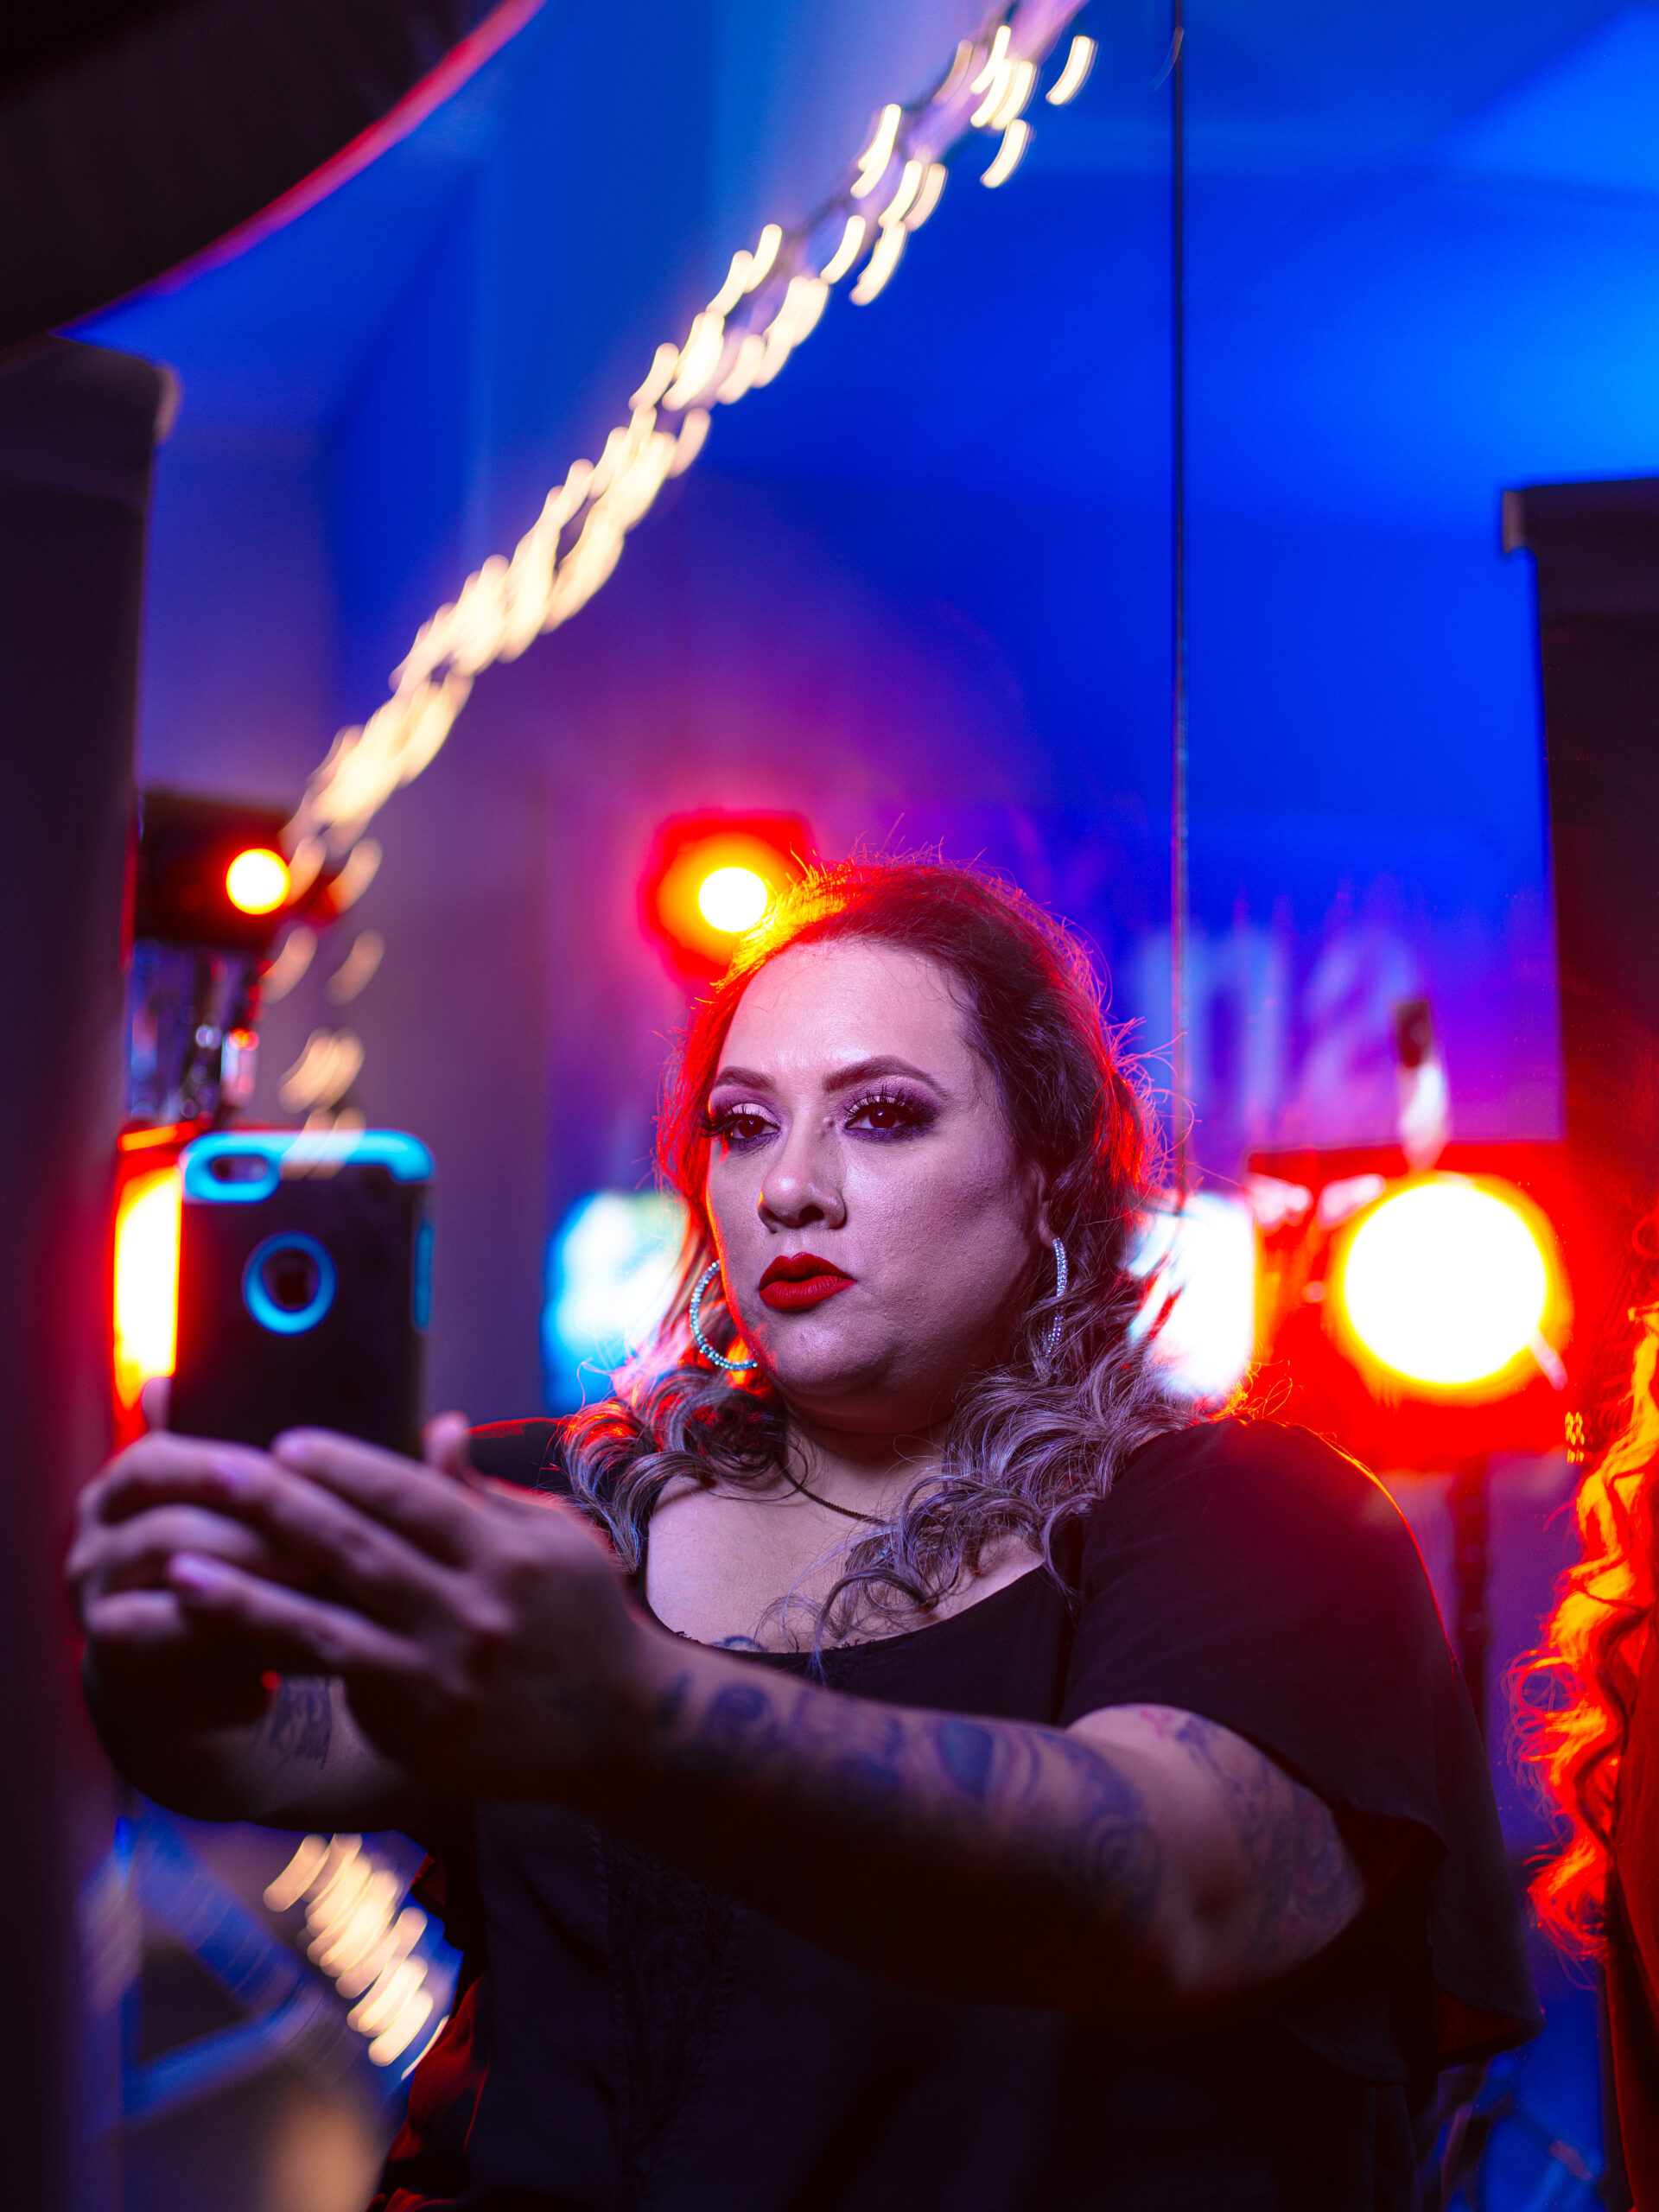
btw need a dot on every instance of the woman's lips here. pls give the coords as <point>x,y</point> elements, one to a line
<point>803,1280</point>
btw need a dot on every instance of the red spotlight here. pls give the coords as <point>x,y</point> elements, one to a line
<point>711,878</point>
<point>257,880</point>
<point>1418,1319</point>
<point>210,873</point>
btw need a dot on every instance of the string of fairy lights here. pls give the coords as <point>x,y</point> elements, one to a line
<point>362,1933</point>
<point>771,301</point>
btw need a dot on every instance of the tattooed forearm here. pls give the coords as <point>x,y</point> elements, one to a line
<point>1039,1841</point>
<point>1143,1858</point>
<point>299,1724</point>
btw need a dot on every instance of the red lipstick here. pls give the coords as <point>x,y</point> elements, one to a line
<point>790,1285</point>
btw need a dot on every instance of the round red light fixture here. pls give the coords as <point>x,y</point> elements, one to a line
<point>712,878</point>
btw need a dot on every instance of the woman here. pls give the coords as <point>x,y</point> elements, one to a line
<point>1591,1708</point>
<point>953,1777</point>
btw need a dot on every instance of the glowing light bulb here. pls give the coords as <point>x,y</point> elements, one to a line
<point>733,898</point>
<point>257,880</point>
<point>1445,1283</point>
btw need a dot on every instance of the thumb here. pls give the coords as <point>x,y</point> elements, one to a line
<point>443,1443</point>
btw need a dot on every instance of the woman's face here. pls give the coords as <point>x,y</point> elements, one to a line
<point>876,1228</point>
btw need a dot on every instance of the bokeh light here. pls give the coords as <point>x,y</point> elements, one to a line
<point>1201,1252</point>
<point>257,880</point>
<point>710,877</point>
<point>1445,1283</point>
<point>733,898</point>
<point>146,1281</point>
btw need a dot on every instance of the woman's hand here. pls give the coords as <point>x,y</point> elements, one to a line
<point>152,1501</point>
<point>482,1634</point>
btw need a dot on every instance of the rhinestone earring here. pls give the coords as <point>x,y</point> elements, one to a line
<point>719,1358</point>
<point>1062,1276</point>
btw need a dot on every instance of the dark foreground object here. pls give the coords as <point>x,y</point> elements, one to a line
<point>76,426</point>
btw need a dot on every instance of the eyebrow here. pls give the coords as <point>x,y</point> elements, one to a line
<point>843,1079</point>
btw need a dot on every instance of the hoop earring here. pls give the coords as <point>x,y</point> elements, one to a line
<point>719,1358</point>
<point>1062,1276</point>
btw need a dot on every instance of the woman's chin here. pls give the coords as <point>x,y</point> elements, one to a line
<point>846,1385</point>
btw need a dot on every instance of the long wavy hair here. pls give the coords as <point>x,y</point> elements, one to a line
<point>1033,1441</point>
<point>1575,1693</point>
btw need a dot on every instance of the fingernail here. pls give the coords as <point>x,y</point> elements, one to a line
<point>230,1475</point>
<point>189,1572</point>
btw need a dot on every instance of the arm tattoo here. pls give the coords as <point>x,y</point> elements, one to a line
<point>1304,1885</point>
<point>299,1724</point>
<point>1044,1841</point>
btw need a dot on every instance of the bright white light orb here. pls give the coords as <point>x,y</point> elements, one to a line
<point>733,898</point>
<point>257,880</point>
<point>1445,1283</point>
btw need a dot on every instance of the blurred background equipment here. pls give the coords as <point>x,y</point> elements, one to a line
<point>1595,549</point>
<point>1421,1320</point>
<point>610,1268</point>
<point>212,887</point>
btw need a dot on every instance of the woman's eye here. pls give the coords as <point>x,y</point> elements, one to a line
<point>739,1127</point>
<point>889,1117</point>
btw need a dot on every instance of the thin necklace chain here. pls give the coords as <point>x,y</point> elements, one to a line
<point>875,1520</point>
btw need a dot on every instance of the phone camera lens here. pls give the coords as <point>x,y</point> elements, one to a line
<point>291,1280</point>
<point>289,1283</point>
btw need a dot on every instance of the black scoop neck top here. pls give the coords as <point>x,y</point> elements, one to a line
<point>629,2037</point>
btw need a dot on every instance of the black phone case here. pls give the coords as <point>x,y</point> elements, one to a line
<point>304,1262</point>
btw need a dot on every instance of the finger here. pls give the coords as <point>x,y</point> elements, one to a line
<point>137,1551</point>
<point>144,1626</point>
<point>139,1621</point>
<point>310,1634</point>
<point>309,1525</point>
<point>421,1504</point>
<point>162,1469</point>
<point>444,1442</point>
<point>155,1400</point>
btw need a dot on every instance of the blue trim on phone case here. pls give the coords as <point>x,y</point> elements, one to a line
<point>406,1158</point>
<point>423,1299</point>
<point>283,1320</point>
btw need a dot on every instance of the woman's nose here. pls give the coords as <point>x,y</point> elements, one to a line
<point>801,1186</point>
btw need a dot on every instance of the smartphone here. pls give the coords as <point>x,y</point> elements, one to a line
<point>305,1268</point>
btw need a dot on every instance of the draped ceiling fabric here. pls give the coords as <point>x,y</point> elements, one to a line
<point>132,137</point>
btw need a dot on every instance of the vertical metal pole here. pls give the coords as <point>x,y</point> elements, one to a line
<point>1178,893</point>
